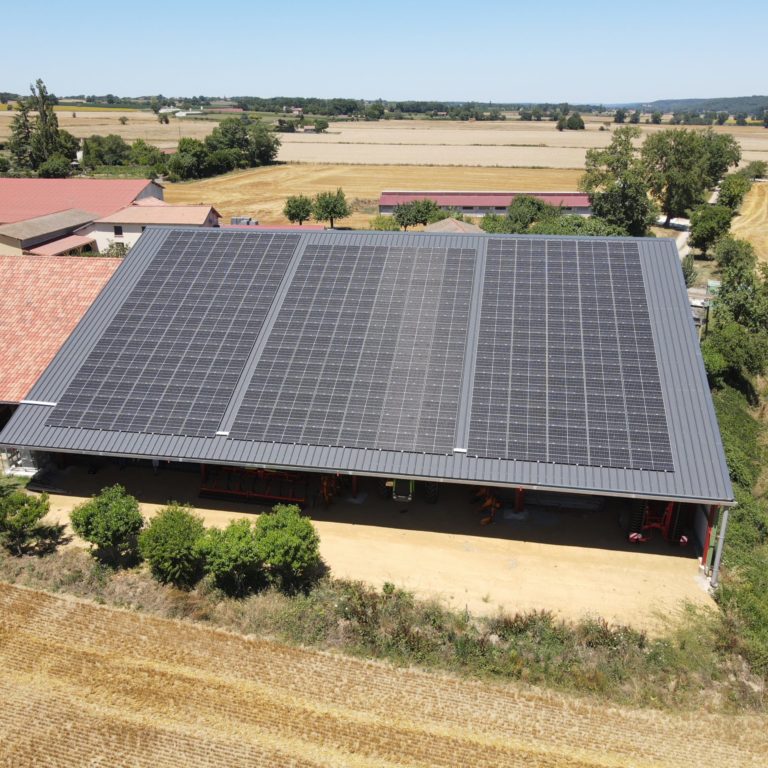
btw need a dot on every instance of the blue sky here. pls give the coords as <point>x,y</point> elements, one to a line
<point>593,51</point>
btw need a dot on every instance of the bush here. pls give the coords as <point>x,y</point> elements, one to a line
<point>289,547</point>
<point>170,545</point>
<point>383,223</point>
<point>20,515</point>
<point>111,522</point>
<point>55,167</point>
<point>732,190</point>
<point>231,556</point>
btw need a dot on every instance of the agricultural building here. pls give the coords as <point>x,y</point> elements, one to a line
<point>481,203</point>
<point>126,225</point>
<point>541,370</point>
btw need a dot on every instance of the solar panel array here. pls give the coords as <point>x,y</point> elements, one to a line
<point>367,351</point>
<point>566,370</point>
<point>169,360</point>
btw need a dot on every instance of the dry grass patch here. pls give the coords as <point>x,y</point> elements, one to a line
<point>752,221</point>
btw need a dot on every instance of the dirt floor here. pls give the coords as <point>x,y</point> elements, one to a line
<point>574,562</point>
<point>262,192</point>
<point>752,222</point>
<point>82,684</point>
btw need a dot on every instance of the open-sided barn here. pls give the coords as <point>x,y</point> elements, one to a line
<point>565,365</point>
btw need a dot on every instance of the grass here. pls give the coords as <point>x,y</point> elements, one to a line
<point>615,663</point>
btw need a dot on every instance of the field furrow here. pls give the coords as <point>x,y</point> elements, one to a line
<point>84,684</point>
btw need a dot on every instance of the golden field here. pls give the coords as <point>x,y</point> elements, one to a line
<point>83,684</point>
<point>261,192</point>
<point>752,221</point>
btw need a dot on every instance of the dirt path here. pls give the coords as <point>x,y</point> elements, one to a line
<point>84,684</point>
<point>752,221</point>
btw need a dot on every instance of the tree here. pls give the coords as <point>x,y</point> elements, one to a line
<point>105,150</point>
<point>110,522</point>
<point>36,140</point>
<point>405,214</point>
<point>329,206</point>
<point>298,208</point>
<point>231,556</point>
<point>741,118</point>
<point>575,122</point>
<point>614,182</point>
<point>722,118</point>
<point>731,252</point>
<point>123,120</point>
<point>634,118</point>
<point>708,224</point>
<point>674,165</point>
<point>620,115</point>
<point>321,126</point>
<point>524,210</point>
<point>689,270</point>
<point>733,188</point>
<point>289,547</point>
<point>20,516</point>
<point>163,119</point>
<point>5,164</point>
<point>170,544</point>
<point>656,118</point>
<point>142,153</point>
<point>721,151</point>
<point>55,167</point>
<point>577,225</point>
<point>561,123</point>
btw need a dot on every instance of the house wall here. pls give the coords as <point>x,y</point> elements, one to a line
<point>104,234</point>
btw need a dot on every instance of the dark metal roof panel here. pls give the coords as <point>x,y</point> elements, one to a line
<point>700,470</point>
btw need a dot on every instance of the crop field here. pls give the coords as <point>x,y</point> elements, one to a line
<point>85,684</point>
<point>752,222</point>
<point>261,192</point>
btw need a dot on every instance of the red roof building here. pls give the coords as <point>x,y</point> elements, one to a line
<point>42,300</point>
<point>480,203</point>
<point>22,199</point>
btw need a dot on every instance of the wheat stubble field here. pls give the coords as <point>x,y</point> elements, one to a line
<point>752,221</point>
<point>84,684</point>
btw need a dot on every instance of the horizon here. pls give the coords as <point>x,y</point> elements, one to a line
<point>427,52</point>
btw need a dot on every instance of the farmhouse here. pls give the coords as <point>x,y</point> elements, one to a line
<point>126,225</point>
<point>481,203</point>
<point>545,372</point>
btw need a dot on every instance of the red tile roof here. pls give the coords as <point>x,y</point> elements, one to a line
<point>485,199</point>
<point>42,300</point>
<point>26,198</point>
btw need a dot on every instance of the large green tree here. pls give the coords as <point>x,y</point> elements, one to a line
<point>298,209</point>
<point>675,169</point>
<point>721,151</point>
<point>708,224</point>
<point>616,186</point>
<point>36,137</point>
<point>329,206</point>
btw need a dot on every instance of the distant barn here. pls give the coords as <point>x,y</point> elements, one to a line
<point>481,203</point>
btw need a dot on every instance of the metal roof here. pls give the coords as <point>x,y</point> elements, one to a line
<point>700,473</point>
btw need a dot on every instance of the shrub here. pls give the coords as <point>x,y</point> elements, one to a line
<point>170,545</point>
<point>708,224</point>
<point>231,556</point>
<point>289,546</point>
<point>383,223</point>
<point>110,522</point>
<point>732,190</point>
<point>20,515</point>
<point>55,167</point>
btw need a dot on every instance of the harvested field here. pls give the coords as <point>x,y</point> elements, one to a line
<point>261,192</point>
<point>84,684</point>
<point>752,221</point>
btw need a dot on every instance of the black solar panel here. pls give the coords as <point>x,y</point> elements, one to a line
<point>367,351</point>
<point>566,369</point>
<point>171,357</point>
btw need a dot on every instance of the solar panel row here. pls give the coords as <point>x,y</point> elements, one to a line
<point>566,370</point>
<point>367,351</point>
<point>169,361</point>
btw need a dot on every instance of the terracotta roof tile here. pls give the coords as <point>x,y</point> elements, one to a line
<point>42,300</point>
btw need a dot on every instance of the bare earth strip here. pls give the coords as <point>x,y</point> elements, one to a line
<point>261,192</point>
<point>88,685</point>
<point>752,221</point>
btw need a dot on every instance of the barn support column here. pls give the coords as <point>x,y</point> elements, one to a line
<point>711,517</point>
<point>519,499</point>
<point>720,543</point>
<point>354,486</point>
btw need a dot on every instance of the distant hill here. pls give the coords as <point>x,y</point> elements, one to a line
<point>729,104</point>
